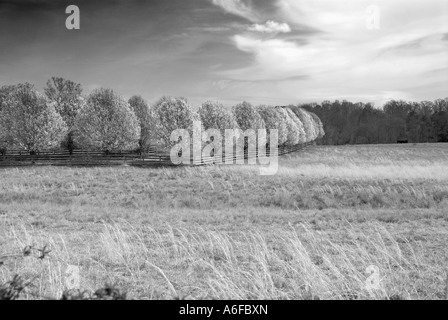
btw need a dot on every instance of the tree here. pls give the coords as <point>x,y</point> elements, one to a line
<point>67,97</point>
<point>440,124</point>
<point>247,117</point>
<point>318,124</point>
<point>167,115</point>
<point>273,119</point>
<point>31,120</point>
<point>4,135</point>
<point>106,122</point>
<point>215,116</point>
<point>298,126</point>
<point>441,105</point>
<point>5,91</point>
<point>292,129</point>
<point>413,126</point>
<point>68,101</point>
<point>427,129</point>
<point>440,119</point>
<point>141,110</point>
<point>307,121</point>
<point>346,122</point>
<point>398,108</point>
<point>3,138</point>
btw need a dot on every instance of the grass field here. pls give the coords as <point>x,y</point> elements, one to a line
<point>313,231</point>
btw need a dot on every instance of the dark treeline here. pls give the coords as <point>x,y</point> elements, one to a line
<point>398,121</point>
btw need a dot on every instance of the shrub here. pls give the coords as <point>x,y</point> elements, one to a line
<point>168,115</point>
<point>274,119</point>
<point>30,120</point>
<point>141,110</point>
<point>18,286</point>
<point>107,122</point>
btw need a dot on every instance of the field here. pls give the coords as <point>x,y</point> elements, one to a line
<point>316,230</point>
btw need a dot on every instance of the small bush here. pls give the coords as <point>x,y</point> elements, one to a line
<point>15,288</point>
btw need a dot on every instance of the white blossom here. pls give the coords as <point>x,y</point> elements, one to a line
<point>29,120</point>
<point>274,119</point>
<point>307,121</point>
<point>168,115</point>
<point>106,122</point>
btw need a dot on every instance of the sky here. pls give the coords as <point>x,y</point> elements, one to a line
<point>274,52</point>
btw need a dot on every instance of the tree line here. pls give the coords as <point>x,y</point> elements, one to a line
<point>103,120</point>
<point>398,121</point>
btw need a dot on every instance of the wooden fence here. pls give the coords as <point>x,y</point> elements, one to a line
<point>152,157</point>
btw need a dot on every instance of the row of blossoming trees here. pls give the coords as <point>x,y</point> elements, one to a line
<point>62,117</point>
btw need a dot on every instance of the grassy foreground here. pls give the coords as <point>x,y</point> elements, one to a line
<point>350,222</point>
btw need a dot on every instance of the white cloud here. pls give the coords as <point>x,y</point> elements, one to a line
<point>277,59</point>
<point>344,59</point>
<point>237,7</point>
<point>270,27</point>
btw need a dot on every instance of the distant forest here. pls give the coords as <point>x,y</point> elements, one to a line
<point>397,122</point>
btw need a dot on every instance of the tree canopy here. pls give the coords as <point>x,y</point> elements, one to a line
<point>107,122</point>
<point>274,119</point>
<point>30,119</point>
<point>167,115</point>
<point>142,112</point>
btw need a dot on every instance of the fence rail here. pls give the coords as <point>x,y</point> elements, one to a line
<point>151,157</point>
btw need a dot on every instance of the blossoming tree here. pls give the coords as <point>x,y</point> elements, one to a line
<point>274,119</point>
<point>30,119</point>
<point>107,122</point>
<point>166,116</point>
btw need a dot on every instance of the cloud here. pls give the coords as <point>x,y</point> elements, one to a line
<point>279,59</point>
<point>270,27</point>
<point>345,59</point>
<point>249,52</point>
<point>237,7</point>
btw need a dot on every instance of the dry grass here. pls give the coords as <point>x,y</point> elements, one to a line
<point>310,232</point>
